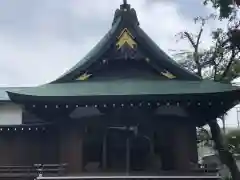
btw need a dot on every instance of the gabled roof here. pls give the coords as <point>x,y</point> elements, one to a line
<point>126,31</point>
<point>125,38</point>
<point>127,66</point>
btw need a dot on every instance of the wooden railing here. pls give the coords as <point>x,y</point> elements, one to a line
<point>17,169</point>
<point>58,169</point>
<point>33,171</point>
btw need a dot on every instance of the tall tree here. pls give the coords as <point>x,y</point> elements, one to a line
<point>219,62</point>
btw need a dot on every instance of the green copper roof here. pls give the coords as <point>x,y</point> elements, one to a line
<point>129,87</point>
<point>3,92</point>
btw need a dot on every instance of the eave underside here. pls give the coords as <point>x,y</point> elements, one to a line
<point>201,108</point>
<point>197,97</point>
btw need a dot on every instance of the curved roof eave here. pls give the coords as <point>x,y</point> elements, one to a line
<point>100,48</point>
<point>130,87</point>
<point>164,59</point>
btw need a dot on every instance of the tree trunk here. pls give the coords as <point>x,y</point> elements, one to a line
<point>224,124</point>
<point>225,155</point>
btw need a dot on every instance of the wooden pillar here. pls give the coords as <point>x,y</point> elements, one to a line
<point>185,147</point>
<point>193,144</point>
<point>181,149</point>
<point>71,148</point>
<point>164,142</point>
<point>128,155</point>
<point>104,152</point>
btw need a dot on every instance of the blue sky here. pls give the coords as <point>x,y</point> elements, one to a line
<point>40,40</point>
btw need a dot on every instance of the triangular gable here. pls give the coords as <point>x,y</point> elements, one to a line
<point>125,44</point>
<point>126,40</point>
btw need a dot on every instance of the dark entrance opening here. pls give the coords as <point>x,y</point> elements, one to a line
<point>127,151</point>
<point>140,150</point>
<point>117,148</point>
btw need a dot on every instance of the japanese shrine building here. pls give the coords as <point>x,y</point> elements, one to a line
<point>126,106</point>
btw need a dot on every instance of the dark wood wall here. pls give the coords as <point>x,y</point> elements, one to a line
<point>54,145</point>
<point>71,147</point>
<point>174,141</point>
<point>28,147</point>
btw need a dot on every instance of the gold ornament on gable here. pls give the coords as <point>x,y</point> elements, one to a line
<point>85,76</point>
<point>126,38</point>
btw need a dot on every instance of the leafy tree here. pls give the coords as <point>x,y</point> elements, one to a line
<point>219,62</point>
<point>227,8</point>
<point>203,135</point>
<point>233,139</point>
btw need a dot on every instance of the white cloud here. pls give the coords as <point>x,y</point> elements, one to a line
<point>38,45</point>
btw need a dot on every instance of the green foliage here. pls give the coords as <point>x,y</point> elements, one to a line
<point>226,7</point>
<point>228,178</point>
<point>203,135</point>
<point>219,61</point>
<point>233,139</point>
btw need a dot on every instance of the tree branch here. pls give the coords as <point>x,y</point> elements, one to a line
<point>199,36</point>
<point>216,67</point>
<point>232,58</point>
<point>190,39</point>
<point>195,46</point>
<point>217,48</point>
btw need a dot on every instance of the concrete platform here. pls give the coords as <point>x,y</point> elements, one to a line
<point>132,176</point>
